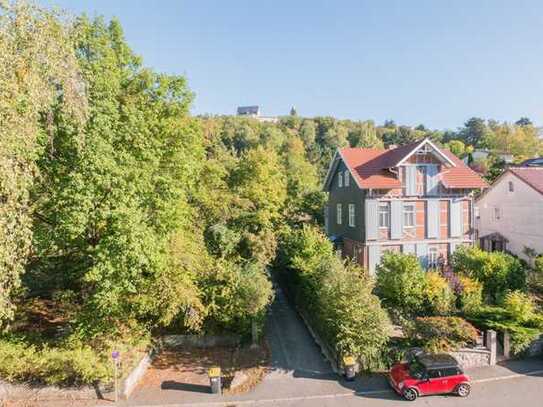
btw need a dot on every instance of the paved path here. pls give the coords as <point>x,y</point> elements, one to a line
<point>302,377</point>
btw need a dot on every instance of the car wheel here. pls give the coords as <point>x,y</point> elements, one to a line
<point>463,390</point>
<point>410,394</point>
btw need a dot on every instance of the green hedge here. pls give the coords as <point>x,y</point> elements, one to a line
<point>336,296</point>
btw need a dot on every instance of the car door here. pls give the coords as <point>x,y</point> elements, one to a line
<point>450,377</point>
<point>432,383</point>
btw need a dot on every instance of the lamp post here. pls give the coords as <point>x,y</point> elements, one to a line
<point>115,355</point>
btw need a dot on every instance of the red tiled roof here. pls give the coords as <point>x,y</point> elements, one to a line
<point>533,176</point>
<point>460,176</point>
<point>371,166</point>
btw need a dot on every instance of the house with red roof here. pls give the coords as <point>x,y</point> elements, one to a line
<point>510,213</point>
<point>417,198</point>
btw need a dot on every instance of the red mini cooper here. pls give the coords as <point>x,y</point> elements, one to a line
<point>426,374</point>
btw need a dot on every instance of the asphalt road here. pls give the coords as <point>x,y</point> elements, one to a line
<point>302,377</point>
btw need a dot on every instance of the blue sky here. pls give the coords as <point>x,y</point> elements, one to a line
<point>435,62</point>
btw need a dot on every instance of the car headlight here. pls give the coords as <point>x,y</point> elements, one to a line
<point>400,385</point>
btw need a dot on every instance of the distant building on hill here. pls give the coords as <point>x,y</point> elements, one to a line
<point>483,155</point>
<point>251,111</point>
<point>254,112</point>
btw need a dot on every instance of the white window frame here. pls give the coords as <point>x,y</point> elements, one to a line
<point>339,214</point>
<point>433,257</point>
<point>340,179</point>
<point>384,215</point>
<point>409,214</point>
<point>347,179</point>
<point>351,215</point>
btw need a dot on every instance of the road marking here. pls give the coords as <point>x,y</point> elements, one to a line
<point>513,376</point>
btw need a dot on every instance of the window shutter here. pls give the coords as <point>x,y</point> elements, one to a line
<point>432,180</point>
<point>422,254</point>
<point>396,219</point>
<point>374,258</point>
<point>452,248</point>
<point>455,218</point>
<point>372,219</point>
<point>408,248</point>
<point>411,180</point>
<point>432,218</point>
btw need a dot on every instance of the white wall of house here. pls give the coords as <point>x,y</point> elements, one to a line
<point>520,214</point>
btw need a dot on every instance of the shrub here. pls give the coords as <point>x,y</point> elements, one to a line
<point>498,272</point>
<point>437,334</point>
<point>60,366</point>
<point>439,296</point>
<point>499,319</point>
<point>520,306</point>
<point>470,296</point>
<point>401,282</point>
<point>336,297</point>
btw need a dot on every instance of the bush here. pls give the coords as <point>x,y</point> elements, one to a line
<point>22,362</point>
<point>439,297</point>
<point>520,306</point>
<point>401,282</point>
<point>498,272</point>
<point>470,296</point>
<point>500,319</point>
<point>336,297</point>
<point>438,334</point>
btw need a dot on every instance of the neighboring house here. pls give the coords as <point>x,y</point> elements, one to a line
<point>532,162</point>
<point>510,212</point>
<point>415,199</point>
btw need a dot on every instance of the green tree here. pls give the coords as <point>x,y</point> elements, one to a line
<point>38,74</point>
<point>401,282</point>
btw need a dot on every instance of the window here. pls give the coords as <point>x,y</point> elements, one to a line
<point>340,179</point>
<point>347,178</point>
<point>384,216</point>
<point>497,213</point>
<point>409,216</point>
<point>450,371</point>
<point>511,186</point>
<point>351,215</point>
<point>326,218</point>
<point>338,213</point>
<point>434,373</point>
<point>433,257</point>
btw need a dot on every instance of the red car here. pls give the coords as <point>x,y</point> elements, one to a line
<point>426,374</point>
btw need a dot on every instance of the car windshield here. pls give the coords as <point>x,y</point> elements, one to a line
<point>416,370</point>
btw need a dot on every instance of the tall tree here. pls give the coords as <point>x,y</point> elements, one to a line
<point>38,70</point>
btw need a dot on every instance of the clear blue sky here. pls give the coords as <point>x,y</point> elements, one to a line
<point>434,62</point>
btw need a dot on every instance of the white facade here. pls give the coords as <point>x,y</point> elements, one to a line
<point>517,215</point>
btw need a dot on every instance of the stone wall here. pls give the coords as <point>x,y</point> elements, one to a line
<point>9,391</point>
<point>469,358</point>
<point>536,347</point>
<point>197,341</point>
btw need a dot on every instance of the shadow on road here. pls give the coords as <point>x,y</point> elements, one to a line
<point>173,385</point>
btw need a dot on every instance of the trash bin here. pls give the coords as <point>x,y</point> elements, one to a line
<point>214,374</point>
<point>349,364</point>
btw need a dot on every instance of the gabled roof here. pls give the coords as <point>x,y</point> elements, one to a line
<point>374,168</point>
<point>533,176</point>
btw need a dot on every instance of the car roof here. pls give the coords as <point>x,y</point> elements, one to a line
<point>437,361</point>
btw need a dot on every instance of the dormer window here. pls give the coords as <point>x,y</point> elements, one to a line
<point>347,178</point>
<point>340,179</point>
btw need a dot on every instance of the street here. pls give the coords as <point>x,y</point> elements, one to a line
<point>300,376</point>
